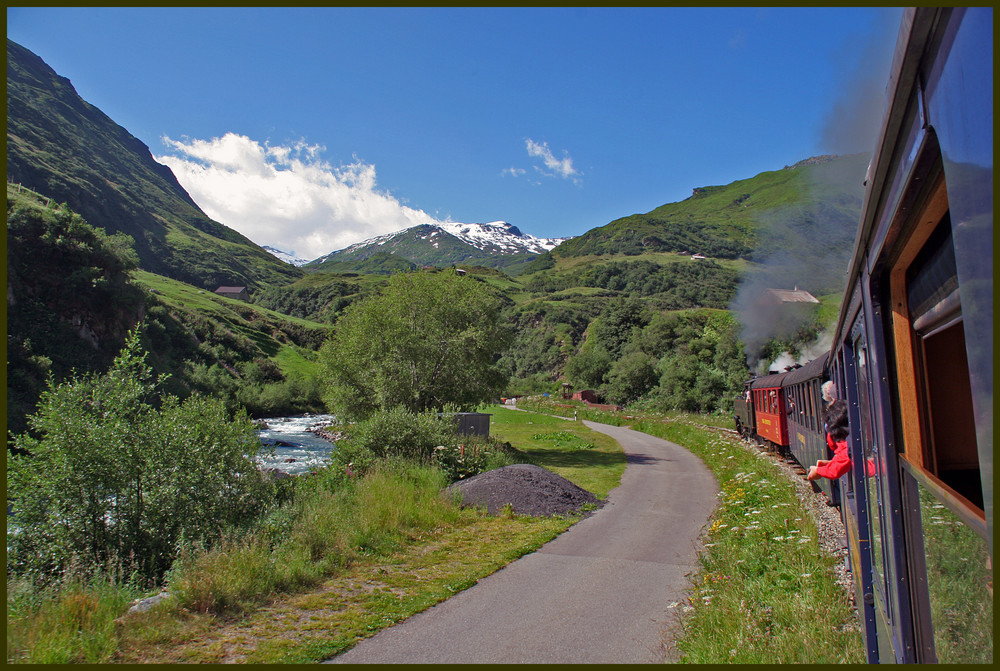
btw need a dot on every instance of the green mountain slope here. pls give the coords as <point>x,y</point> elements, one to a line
<point>749,218</point>
<point>74,292</point>
<point>67,149</point>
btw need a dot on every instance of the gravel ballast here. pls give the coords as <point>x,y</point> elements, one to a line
<point>529,489</point>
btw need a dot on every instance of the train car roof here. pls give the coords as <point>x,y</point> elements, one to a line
<point>768,381</point>
<point>815,368</point>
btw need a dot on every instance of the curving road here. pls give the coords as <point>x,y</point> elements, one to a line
<point>598,593</point>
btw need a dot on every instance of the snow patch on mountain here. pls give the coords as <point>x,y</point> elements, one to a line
<point>497,236</point>
<point>507,237</point>
<point>285,256</point>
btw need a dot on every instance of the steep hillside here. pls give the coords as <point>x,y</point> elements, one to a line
<point>74,292</point>
<point>70,297</point>
<point>749,218</point>
<point>67,149</point>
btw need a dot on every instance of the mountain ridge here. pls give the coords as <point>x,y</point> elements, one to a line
<point>495,244</point>
<point>60,145</point>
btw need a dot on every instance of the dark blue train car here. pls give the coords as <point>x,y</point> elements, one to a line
<point>913,352</point>
<point>804,409</point>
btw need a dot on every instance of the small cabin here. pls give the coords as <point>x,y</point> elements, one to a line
<point>588,395</point>
<point>239,293</point>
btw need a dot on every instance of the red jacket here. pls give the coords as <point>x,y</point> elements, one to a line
<point>841,462</point>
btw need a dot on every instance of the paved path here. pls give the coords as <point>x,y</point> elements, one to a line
<point>598,593</point>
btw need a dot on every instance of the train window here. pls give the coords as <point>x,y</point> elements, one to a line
<point>937,415</point>
<point>812,406</point>
<point>876,508</point>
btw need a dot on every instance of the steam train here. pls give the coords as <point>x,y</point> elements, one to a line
<point>912,355</point>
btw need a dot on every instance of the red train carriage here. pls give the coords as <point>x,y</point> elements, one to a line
<point>770,404</point>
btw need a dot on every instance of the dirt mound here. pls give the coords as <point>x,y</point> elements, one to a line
<point>530,490</point>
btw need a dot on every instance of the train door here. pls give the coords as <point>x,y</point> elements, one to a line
<point>864,514</point>
<point>947,534</point>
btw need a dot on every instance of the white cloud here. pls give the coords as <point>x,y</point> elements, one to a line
<point>554,166</point>
<point>285,196</point>
<point>513,172</point>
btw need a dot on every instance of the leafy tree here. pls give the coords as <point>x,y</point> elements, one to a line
<point>701,361</point>
<point>631,376</point>
<point>588,368</point>
<point>111,478</point>
<point>617,324</point>
<point>427,340</point>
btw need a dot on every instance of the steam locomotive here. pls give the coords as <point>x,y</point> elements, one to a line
<point>912,355</point>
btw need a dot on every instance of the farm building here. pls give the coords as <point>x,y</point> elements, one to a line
<point>239,293</point>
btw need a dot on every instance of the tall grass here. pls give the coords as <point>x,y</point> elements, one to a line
<point>72,621</point>
<point>334,519</point>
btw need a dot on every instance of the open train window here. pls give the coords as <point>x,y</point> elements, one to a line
<point>937,415</point>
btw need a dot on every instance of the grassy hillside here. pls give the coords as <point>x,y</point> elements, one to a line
<point>749,218</point>
<point>74,292</point>
<point>70,297</point>
<point>67,149</point>
<point>250,355</point>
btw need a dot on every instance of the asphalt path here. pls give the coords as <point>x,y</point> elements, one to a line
<point>601,592</point>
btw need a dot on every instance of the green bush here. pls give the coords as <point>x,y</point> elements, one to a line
<point>112,478</point>
<point>395,433</point>
<point>472,455</point>
<point>401,437</point>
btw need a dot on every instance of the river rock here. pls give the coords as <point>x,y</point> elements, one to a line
<point>143,605</point>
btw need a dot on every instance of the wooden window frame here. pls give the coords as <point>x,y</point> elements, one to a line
<point>905,340</point>
<point>907,355</point>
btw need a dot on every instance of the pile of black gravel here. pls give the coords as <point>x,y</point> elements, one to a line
<point>530,490</point>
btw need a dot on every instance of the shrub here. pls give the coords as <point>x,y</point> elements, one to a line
<point>395,433</point>
<point>112,478</point>
<point>472,455</point>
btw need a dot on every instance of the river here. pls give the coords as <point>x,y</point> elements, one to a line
<point>296,449</point>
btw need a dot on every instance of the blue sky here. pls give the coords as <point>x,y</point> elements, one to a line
<point>309,129</point>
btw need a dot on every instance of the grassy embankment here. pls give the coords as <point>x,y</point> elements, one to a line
<point>766,592</point>
<point>343,562</point>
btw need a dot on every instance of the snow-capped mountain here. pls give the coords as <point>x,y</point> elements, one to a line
<point>500,234</point>
<point>447,243</point>
<point>285,256</point>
